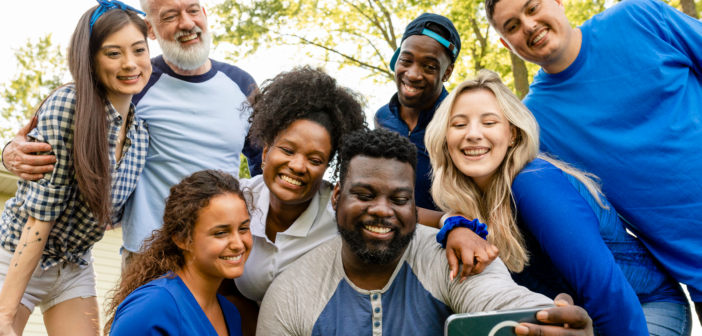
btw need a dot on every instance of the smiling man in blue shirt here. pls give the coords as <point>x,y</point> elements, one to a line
<point>425,59</point>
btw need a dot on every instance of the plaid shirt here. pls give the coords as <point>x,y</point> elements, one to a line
<point>56,196</point>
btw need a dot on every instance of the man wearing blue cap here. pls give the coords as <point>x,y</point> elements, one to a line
<point>425,59</point>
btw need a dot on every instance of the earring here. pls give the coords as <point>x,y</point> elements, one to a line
<point>263,164</point>
<point>512,144</point>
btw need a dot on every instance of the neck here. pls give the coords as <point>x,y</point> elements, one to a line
<point>367,276</point>
<point>121,103</point>
<point>281,215</point>
<point>199,71</point>
<point>410,115</point>
<point>569,55</point>
<point>203,287</point>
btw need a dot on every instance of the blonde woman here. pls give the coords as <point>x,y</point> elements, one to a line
<point>555,230</point>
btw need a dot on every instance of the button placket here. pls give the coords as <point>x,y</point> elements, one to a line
<point>377,312</point>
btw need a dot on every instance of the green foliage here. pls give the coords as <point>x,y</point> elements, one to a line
<point>244,167</point>
<point>40,69</point>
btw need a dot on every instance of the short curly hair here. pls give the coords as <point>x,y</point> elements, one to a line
<point>378,143</point>
<point>305,93</point>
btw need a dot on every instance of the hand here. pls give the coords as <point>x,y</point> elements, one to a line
<point>19,160</point>
<point>7,325</point>
<point>475,253</point>
<point>576,321</point>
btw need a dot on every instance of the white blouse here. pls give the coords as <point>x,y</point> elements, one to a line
<point>267,259</point>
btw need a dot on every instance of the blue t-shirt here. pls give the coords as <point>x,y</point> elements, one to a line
<point>388,117</point>
<point>195,123</point>
<point>167,307</point>
<point>629,110</point>
<point>579,248</point>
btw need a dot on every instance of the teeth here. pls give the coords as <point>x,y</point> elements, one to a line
<point>475,152</point>
<point>381,230</point>
<point>540,36</point>
<point>127,78</point>
<point>232,258</point>
<point>411,89</point>
<point>187,38</point>
<point>290,180</point>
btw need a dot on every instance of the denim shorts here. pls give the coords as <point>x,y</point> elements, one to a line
<point>668,318</point>
<point>57,284</point>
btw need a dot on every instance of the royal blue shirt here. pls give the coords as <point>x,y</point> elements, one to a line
<point>579,248</point>
<point>629,110</point>
<point>167,307</point>
<point>388,117</point>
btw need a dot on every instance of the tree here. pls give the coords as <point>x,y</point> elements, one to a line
<point>41,68</point>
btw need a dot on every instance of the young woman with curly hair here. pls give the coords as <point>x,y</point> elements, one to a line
<point>555,230</point>
<point>170,288</point>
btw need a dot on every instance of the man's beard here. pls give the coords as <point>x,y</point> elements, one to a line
<point>375,252</point>
<point>188,57</point>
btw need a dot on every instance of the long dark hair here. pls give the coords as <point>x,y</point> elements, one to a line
<point>90,148</point>
<point>160,254</point>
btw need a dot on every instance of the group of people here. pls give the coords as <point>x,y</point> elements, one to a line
<point>586,195</point>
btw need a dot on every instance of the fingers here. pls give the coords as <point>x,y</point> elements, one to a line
<point>574,316</point>
<point>33,147</point>
<point>492,252</point>
<point>453,263</point>
<point>527,329</point>
<point>481,260</point>
<point>565,298</point>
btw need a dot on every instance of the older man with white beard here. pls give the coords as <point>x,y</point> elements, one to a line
<point>193,108</point>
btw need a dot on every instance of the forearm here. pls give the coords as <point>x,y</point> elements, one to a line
<point>24,262</point>
<point>429,217</point>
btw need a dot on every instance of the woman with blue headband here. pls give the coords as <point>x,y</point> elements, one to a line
<point>48,229</point>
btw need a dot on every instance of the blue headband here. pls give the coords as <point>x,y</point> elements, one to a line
<point>106,5</point>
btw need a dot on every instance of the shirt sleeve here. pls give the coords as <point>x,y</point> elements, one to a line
<point>685,34</point>
<point>280,313</point>
<point>253,155</point>
<point>48,197</point>
<point>150,311</point>
<point>567,229</point>
<point>491,290</point>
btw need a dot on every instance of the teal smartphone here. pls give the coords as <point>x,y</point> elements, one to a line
<point>492,323</point>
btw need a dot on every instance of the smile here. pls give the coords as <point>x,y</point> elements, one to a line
<point>377,229</point>
<point>539,37</point>
<point>475,152</point>
<point>127,78</point>
<point>187,38</point>
<point>411,89</point>
<point>291,180</point>
<point>236,258</point>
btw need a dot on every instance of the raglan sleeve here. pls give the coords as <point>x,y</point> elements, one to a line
<point>278,314</point>
<point>567,229</point>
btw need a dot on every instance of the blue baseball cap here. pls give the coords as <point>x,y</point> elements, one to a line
<point>418,27</point>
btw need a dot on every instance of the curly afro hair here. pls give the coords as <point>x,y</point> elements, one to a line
<point>378,143</point>
<point>305,93</point>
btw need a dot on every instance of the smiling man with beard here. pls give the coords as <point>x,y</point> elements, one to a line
<point>386,275</point>
<point>192,106</point>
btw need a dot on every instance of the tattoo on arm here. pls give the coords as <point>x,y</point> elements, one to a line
<point>27,242</point>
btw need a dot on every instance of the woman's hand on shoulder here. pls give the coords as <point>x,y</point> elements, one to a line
<point>464,245</point>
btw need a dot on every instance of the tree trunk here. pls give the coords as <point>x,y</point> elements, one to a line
<point>521,75</point>
<point>688,7</point>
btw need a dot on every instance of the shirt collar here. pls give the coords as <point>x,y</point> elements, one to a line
<point>113,115</point>
<point>301,226</point>
<point>394,106</point>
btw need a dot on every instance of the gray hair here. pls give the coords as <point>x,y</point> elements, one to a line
<point>146,7</point>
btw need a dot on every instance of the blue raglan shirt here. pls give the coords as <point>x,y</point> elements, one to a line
<point>629,110</point>
<point>579,248</point>
<point>388,117</point>
<point>195,123</point>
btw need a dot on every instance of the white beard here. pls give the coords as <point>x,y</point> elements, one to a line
<point>188,57</point>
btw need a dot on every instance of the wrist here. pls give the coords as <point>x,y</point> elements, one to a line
<point>3,155</point>
<point>459,221</point>
<point>7,313</point>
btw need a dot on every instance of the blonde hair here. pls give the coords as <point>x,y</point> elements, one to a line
<point>455,192</point>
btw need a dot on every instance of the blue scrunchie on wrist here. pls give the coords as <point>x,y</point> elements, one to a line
<point>459,221</point>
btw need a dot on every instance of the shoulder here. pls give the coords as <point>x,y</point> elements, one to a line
<point>149,306</point>
<point>60,104</point>
<point>158,66</point>
<point>253,186</point>
<point>243,79</point>
<point>536,171</point>
<point>632,15</point>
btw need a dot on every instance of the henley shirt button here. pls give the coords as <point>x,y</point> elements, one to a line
<point>376,324</point>
<point>375,296</point>
<point>377,309</point>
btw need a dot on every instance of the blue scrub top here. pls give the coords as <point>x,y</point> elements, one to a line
<point>167,307</point>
